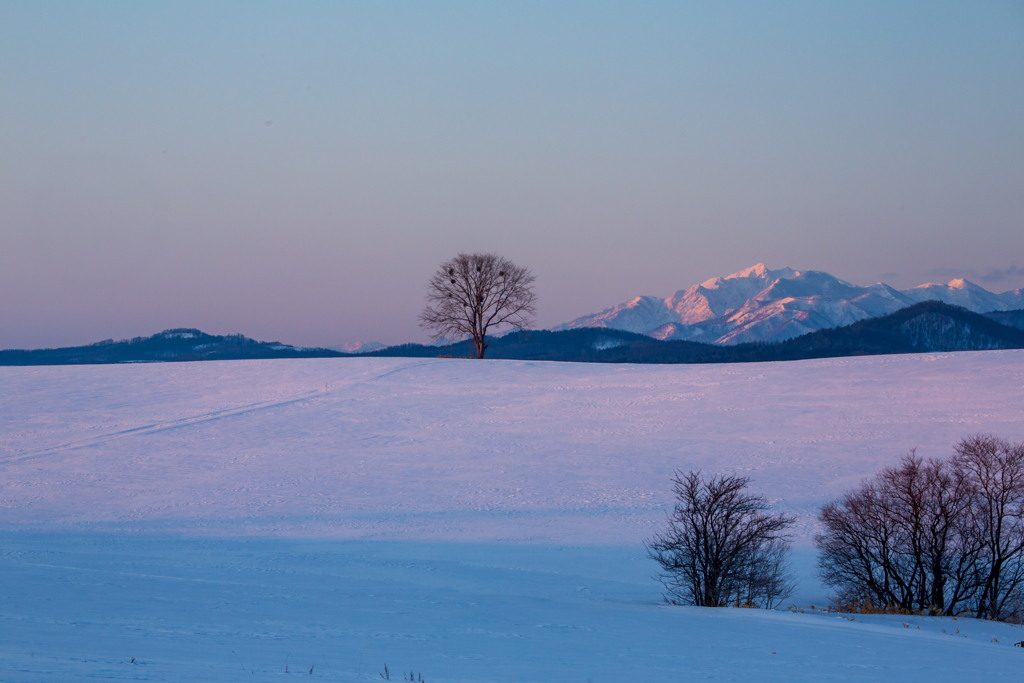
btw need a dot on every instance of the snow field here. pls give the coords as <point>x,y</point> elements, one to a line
<point>82,606</point>
<point>474,521</point>
<point>466,450</point>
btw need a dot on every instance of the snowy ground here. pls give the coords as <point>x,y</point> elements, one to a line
<point>81,606</point>
<point>475,521</point>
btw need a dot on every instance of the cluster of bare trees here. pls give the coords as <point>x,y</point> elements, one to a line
<point>722,546</point>
<point>943,536</point>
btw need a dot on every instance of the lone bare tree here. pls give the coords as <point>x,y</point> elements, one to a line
<point>473,293</point>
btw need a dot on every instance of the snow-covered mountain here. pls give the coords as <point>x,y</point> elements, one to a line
<point>358,347</point>
<point>758,304</point>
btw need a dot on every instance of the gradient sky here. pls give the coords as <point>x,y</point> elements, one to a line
<point>296,171</point>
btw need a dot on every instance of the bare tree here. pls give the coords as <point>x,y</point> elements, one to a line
<point>856,548</point>
<point>770,580</point>
<point>942,536</point>
<point>903,540</point>
<point>473,293</point>
<point>722,546</point>
<point>995,468</point>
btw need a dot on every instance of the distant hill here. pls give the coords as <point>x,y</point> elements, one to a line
<point>923,327</point>
<point>927,326</point>
<point>168,346</point>
<point>1009,318</point>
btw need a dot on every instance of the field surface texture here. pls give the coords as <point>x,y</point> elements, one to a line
<point>466,520</point>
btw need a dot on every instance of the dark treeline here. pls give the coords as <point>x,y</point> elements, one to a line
<point>923,327</point>
<point>938,536</point>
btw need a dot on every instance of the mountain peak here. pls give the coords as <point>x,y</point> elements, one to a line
<point>760,270</point>
<point>753,273</point>
<point>961,283</point>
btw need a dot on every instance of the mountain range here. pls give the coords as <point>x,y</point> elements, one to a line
<point>762,305</point>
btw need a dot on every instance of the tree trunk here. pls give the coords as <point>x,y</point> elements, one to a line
<point>480,341</point>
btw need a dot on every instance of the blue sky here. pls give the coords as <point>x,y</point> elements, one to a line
<point>295,171</point>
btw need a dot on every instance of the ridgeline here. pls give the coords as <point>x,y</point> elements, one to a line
<point>924,327</point>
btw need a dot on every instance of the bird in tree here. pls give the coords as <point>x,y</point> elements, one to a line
<point>473,293</point>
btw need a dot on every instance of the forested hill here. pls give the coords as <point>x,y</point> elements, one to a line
<point>924,327</point>
<point>169,345</point>
<point>1009,318</point>
<point>927,326</point>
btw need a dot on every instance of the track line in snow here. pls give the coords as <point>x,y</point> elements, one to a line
<point>200,418</point>
<point>164,426</point>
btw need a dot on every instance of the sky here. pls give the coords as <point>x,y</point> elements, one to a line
<point>296,171</point>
